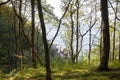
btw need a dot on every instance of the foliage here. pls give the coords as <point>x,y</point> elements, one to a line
<point>3,55</point>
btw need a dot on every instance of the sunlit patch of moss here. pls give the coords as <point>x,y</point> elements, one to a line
<point>28,73</point>
<point>98,78</point>
<point>114,64</point>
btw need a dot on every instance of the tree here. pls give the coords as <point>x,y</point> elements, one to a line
<point>77,29</point>
<point>72,35</point>
<point>115,11</point>
<point>47,58</point>
<point>119,48</point>
<point>8,33</point>
<point>106,36</point>
<point>32,32</point>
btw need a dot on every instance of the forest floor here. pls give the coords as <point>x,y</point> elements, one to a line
<point>63,73</point>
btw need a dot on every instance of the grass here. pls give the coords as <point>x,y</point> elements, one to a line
<point>66,72</point>
<point>63,72</point>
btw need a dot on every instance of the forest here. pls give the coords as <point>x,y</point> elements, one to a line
<point>75,40</point>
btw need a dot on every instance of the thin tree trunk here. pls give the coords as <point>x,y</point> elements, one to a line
<point>89,47</point>
<point>16,40</point>
<point>38,48</point>
<point>71,44</point>
<point>47,58</point>
<point>77,30</point>
<point>114,37</point>
<point>9,45</point>
<point>32,32</point>
<point>20,34</point>
<point>101,41</point>
<point>119,47</point>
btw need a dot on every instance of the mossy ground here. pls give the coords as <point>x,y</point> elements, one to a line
<point>66,72</point>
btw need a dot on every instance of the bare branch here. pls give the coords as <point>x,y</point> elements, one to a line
<point>115,11</point>
<point>60,21</point>
<point>21,19</point>
<point>2,3</point>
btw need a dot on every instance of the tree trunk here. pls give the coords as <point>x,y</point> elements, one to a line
<point>119,47</point>
<point>32,32</point>
<point>47,58</point>
<point>9,45</point>
<point>101,40</point>
<point>113,54</point>
<point>106,37</point>
<point>20,33</point>
<point>71,44</point>
<point>114,37</point>
<point>16,40</point>
<point>77,30</point>
<point>89,47</point>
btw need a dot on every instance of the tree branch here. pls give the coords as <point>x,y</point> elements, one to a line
<point>115,11</point>
<point>2,3</point>
<point>60,21</point>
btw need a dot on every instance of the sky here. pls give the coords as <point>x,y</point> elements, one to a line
<point>57,12</point>
<point>56,5</point>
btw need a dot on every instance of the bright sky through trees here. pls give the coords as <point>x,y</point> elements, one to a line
<point>56,5</point>
<point>57,11</point>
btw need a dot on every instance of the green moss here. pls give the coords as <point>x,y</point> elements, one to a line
<point>64,72</point>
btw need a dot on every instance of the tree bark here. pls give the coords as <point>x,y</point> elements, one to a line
<point>77,30</point>
<point>89,55</point>
<point>106,37</point>
<point>47,58</point>
<point>119,47</point>
<point>32,32</point>
<point>9,44</point>
<point>16,40</point>
<point>20,34</point>
<point>101,41</point>
<point>71,44</point>
<point>114,36</point>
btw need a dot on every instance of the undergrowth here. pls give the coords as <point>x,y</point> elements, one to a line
<point>64,71</point>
